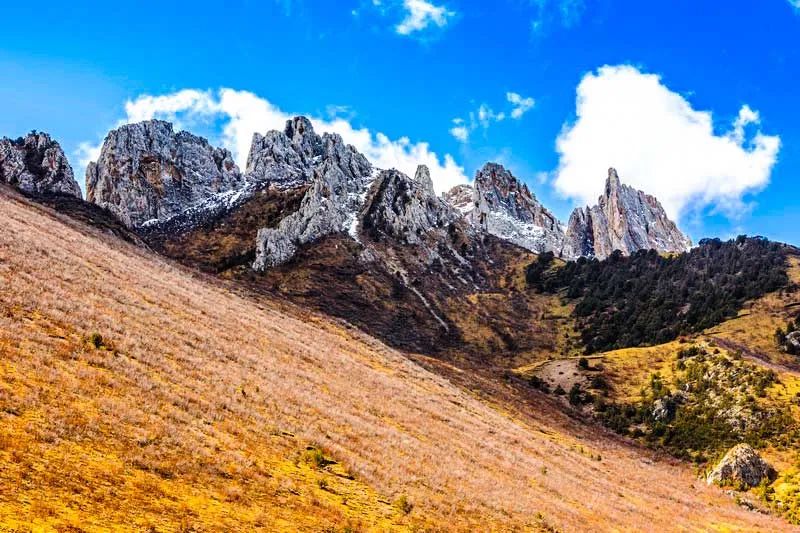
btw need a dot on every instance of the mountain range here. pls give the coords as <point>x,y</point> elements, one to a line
<point>311,218</point>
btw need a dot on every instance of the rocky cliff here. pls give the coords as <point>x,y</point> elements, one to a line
<point>147,173</point>
<point>624,219</point>
<point>36,164</point>
<point>405,209</point>
<point>503,206</point>
<point>337,177</point>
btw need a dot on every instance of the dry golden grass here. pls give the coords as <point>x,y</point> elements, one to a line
<point>756,324</point>
<point>195,411</point>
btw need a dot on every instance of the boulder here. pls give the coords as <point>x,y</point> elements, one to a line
<point>741,466</point>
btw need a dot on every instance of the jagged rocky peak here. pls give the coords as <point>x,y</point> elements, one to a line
<point>36,164</point>
<point>624,219</point>
<point>503,206</point>
<point>147,172</point>
<point>286,158</point>
<point>405,209</point>
<point>337,177</point>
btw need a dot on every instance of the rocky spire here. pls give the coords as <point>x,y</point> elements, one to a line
<point>285,158</point>
<point>613,184</point>
<point>423,177</point>
<point>36,164</point>
<point>504,206</point>
<point>624,219</point>
<point>147,172</point>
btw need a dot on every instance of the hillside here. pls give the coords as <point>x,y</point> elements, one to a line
<point>135,394</point>
<point>709,389</point>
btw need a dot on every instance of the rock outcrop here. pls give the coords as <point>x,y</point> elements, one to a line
<point>36,164</point>
<point>624,219</point>
<point>287,158</point>
<point>337,177</point>
<point>503,206</point>
<point>147,173</point>
<point>403,208</point>
<point>793,342</point>
<point>741,467</point>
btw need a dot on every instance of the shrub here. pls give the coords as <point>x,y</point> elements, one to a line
<point>403,504</point>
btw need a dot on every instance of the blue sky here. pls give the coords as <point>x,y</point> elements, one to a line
<point>691,101</point>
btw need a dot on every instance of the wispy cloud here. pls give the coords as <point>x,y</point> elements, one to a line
<point>414,18</point>
<point>521,104</point>
<point>485,116</point>
<point>563,13</point>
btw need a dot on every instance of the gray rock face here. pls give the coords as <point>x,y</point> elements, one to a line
<point>405,209</point>
<point>36,164</point>
<point>286,158</point>
<point>624,219</point>
<point>462,198</point>
<point>793,342</point>
<point>337,177</point>
<point>147,172</point>
<point>503,206</point>
<point>741,466</point>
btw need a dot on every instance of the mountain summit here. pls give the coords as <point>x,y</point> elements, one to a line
<point>624,219</point>
<point>500,204</point>
<point>36,164</point>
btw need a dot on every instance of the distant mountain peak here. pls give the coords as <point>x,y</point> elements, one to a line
<point>36,164</point>
<point>146,172</point>
<point>624,219</point>
<point>504,206</point>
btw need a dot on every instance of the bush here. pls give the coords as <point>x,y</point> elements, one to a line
<point>575,396</point>
<point>403,504</point>
<point>96,340</point>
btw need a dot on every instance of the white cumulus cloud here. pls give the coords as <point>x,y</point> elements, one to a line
<point>237,115</point>
<point>658,143</point>
<point>421,14</point>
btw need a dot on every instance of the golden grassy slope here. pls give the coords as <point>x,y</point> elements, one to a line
<point>195,412</point>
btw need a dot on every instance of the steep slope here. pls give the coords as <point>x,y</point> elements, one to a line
<point>624,219</point>
<point>36,164</point>
<point>148,173</point>
<point>698,396</point>
<point>499,204</point>
<point>317,224</point>
<point>136,395</point>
